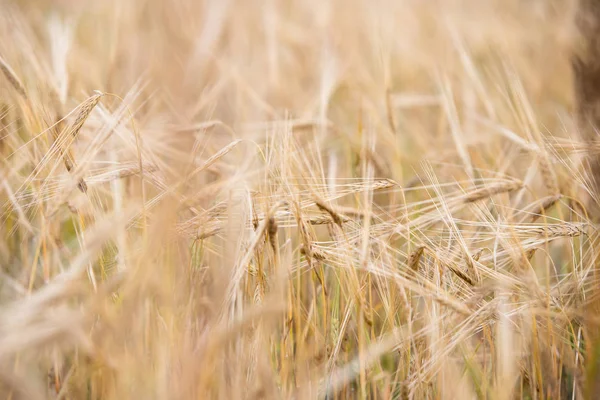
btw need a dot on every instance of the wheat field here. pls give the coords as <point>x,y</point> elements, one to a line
<point>299,199</point>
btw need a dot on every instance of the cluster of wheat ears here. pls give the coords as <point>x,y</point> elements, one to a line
<point>297,199</point>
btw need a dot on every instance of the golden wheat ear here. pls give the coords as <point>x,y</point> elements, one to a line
<point>12,77</point>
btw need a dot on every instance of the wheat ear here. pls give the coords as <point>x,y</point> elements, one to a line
<point>12,77</point>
